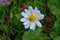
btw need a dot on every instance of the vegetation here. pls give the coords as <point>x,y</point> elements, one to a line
<point>12,29</point>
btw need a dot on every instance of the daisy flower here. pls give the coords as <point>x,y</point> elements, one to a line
<point>31,18</point>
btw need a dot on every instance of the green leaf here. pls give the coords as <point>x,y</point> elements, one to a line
<point>57,38</point>
<point>54,6</point>
<point>13,31</point>
<point>0,38</point>
<point>4,37</point>
<point>14,21</point>
<point>53,34</point>
<point>4,28</point>
<point>11,15</point>
<point>34,35</point>
<point>18,16</point>
<point>57,27</point>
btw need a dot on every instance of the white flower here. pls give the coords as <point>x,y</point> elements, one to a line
<point>31,18</point>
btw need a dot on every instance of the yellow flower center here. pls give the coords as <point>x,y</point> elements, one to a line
<point>32,17</point>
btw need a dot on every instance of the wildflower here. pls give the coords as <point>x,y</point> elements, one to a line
<point>5,2</point>
<point>31,18</point>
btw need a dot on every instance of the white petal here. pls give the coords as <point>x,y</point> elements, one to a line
<point>26,26</point>
<point>30,8</point>
<point>41,17</point>
<point>27,11</point>
<point>32,26</point>
<point>26,23</point>
<point>23,19</point>
<point>38,24</point>
<point>36,9</point>
<point>36,12</point>
<point>24,14</point>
